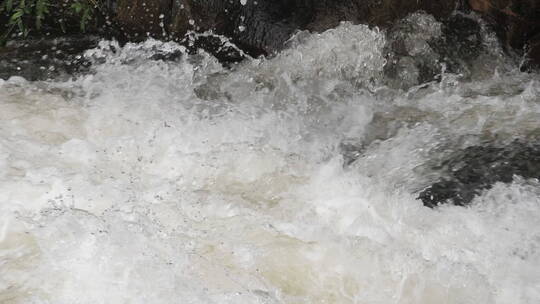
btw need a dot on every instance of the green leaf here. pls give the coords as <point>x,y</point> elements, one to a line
<point>84,20</point>
<point>41,11</point>
<point>6,6</point>
<point>9,5</point>
<point>16,16</point>
<point>20,25</point>
<point>41,8</point>
<point>77,7</point>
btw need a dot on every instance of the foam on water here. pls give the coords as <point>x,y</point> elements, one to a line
<point>183,182</point>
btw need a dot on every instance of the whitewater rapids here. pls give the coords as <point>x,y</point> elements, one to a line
<point>151,181</point>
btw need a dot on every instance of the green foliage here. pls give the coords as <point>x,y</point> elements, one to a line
<point>84,10</point>
<point>25,16</point>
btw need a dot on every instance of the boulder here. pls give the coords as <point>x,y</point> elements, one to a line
<point>533,52</point>
<point>516,22</point>
<point>468,172</point>
<point>41,59</point>
<point>262,26</point>
<point>140,19</point>
<point>418,46</point>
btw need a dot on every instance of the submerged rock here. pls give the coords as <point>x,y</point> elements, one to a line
<point>470,171</point>
<point>420,48</point>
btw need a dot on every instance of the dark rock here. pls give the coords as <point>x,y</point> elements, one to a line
<point>139,19</point>
<point>470,171</point>
<point>419,48</point>
<point>516,22</point>
<point>40,59</point>
<point>262,26</point>
<point>463,39</point>
<point>533,53</point>
<point>220,47</point>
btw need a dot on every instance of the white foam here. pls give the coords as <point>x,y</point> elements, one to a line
<point>160,182</point>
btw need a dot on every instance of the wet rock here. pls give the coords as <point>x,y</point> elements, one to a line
<point>470,171</point>
<point>419,48</point>
<point>516,22</point>
<point>533,53</point>
<point>40,59</point>
<point>462,39</point>
<point>140,19</point>
<point>220,47</point>
<point>411,58</point>
<point>262,26</point>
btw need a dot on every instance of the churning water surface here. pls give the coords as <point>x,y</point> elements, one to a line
<point>291,179</point>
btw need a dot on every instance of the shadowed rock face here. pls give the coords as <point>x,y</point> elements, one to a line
<point>516,22</point>
<point>477,168</point>
<point>263,26</point>
<point>142,18</point>
<point>42,59</point>
<point>533,51</point>
<point>455,43</point>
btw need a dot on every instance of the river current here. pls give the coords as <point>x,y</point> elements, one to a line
<point>292,179</point>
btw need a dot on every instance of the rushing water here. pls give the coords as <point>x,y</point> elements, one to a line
<point>284,180</point>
